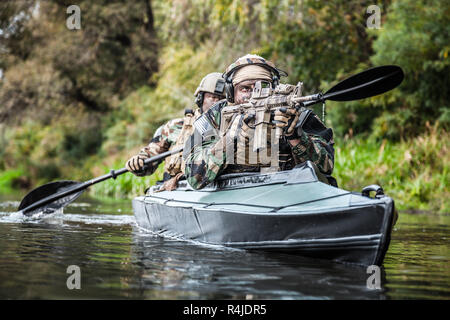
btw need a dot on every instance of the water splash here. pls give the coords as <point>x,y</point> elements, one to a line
<point>58,216</point>
<point>102,219</point>
<point>38,216</point>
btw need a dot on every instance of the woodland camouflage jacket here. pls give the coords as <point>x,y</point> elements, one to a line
<point>206,160</point>
<point>170,135</point>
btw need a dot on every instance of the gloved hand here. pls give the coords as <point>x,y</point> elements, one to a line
<point>287,119</point>
<point>137,166</point>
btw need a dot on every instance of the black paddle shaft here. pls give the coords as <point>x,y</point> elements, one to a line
<point>80,187</point>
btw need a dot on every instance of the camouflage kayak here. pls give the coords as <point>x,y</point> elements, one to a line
<point>288,211</point>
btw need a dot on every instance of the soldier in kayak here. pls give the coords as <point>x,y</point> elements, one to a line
<point>305,136</point>
<point>174,133</point>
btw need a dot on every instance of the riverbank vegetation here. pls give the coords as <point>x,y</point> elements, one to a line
<point>76,103</point>
<point>396,166</point>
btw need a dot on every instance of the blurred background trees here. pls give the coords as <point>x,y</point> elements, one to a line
<point>73,101</point>
<point>58,85</point>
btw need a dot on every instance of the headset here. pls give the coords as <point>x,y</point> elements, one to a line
<point>199,99</point>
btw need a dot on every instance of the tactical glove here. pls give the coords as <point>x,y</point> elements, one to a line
<point>137,166</point>
<point>287,120</point>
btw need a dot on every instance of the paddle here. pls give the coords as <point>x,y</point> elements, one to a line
<point>55,195</point>
<point>365,84</point>
<point>362,85</point>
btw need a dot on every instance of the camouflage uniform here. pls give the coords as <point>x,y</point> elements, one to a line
<point>174,134</point>
<point>206,160</point>
<point>171,135</point>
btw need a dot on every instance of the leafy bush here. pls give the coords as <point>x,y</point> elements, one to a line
<point>420,44</point>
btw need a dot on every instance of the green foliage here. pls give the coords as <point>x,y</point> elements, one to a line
<point>60,85</point>
<point>312,36</point>
<point>352,118</point>
<point>415,172</point>
<point>419,43</point>
<point>11,180</point>
<point>304,38</point>
<point>114,52</point>
<point>415,36</point>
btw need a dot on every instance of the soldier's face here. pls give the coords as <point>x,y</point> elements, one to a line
<point>243,91</point>
<point>208,100</point>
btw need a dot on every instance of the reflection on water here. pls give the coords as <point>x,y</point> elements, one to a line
<point>186,271</point>
<point>417,263</point>
<point>117,260</point>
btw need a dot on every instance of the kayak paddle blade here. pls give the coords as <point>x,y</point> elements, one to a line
<point>51,191</point>
<point>366,84</point>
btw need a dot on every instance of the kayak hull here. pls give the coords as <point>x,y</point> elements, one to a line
<point>338,225</point>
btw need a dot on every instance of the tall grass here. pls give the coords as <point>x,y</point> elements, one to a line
<point>415,172</point>
<point>126,185</point>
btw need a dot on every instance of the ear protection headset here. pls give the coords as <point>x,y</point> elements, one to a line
<point>199,99</point>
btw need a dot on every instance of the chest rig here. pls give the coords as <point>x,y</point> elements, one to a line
<point>175,164</point>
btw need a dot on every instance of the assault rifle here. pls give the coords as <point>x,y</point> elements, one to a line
<point>265,100</point>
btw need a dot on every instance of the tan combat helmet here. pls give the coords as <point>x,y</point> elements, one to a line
<point>253,59</point>
<point>212,83</point>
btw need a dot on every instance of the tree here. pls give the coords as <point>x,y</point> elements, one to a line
<point>420,44</point>
<point>114,53</point>
<point>59,85</point>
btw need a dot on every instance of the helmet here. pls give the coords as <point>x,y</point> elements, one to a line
<point>211,83</point>
<point>249,59</point>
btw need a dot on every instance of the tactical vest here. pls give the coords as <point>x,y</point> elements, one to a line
<point>275,155</point>
<point>175,164</point>
<point>276,160</point>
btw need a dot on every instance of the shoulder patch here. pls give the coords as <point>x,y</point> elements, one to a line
<point>202,124</point>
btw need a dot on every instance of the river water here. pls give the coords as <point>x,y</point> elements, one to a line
<point>117,260</point>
